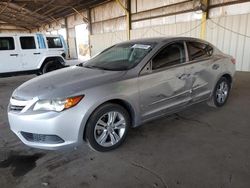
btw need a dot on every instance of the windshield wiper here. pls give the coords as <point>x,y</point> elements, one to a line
<point>101,68</point>
<point>80,65</point>
<point>95,67</point>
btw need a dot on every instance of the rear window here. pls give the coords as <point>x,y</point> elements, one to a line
<point>199,50</point>
<point>54,42</point>
<point>27,43</point>
<point>7,43</point>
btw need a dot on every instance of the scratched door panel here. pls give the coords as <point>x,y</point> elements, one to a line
<point>162,91</point>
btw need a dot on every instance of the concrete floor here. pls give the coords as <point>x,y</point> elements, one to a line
<point>199,147</point>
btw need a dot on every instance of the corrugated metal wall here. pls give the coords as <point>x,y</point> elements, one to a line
<point>229,32</point>
<point>107,18</point>
<point>228,27</point>
<point>99,42</point>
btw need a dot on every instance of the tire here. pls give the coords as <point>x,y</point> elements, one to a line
<point>220,93</point>
<point>101,132</point>
<point>38,73</point>
<point>50,66</point>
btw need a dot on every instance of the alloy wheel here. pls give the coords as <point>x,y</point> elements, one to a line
<point>222,92</point>
<point>110,129</point>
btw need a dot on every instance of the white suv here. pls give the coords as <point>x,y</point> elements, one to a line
<point>31,53</point>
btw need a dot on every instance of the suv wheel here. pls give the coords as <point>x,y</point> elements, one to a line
<point>220,93</point>
<point>50,66</point>
<point>107,127</point>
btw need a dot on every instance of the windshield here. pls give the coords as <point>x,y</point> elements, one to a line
<point>120,57</point>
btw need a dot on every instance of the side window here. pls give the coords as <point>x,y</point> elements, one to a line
<point>199,50</point>
<point>6,43</point>
<point>27,43</point>
<point>171,55</point>
<point>54,42</point>
<point>40,40</point>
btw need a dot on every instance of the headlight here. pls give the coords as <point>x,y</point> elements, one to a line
<point>57,105</point>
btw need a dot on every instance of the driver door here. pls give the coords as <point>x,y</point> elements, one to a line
<point>31,56</point>
<point>163,83</point>
<point>10,55</point>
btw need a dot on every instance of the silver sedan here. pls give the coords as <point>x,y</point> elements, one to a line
<point>124,86</point>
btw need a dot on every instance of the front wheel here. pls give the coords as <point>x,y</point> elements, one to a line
<point>220,93</point>
<point>107,127</point>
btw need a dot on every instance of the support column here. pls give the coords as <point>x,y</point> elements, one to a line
<point>205,3</point>
<point>67,35</point>
<point>128,15</point>
<point>89,21</point>
<point>90,29</point>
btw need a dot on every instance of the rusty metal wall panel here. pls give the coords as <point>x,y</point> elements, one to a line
<point>107,11</point>
<point>246,55</point>
<point>109,17</point>
<point>231,34</point>
<point>143,5</point>
<point>72,43</point>
<point>117,24</point>
<point>101,41</point>
<point>178,29</point>
<point>215,2</point>
<point>228,29</point>
<point>236,9</point>
<point>241,43</point>
<point>160,11</point>
<point>185,17</point>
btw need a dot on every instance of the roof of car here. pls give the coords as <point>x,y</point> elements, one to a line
<point>159,39</point>
<point>24,34</point>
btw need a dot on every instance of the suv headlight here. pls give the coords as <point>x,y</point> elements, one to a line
<point>57,105</point>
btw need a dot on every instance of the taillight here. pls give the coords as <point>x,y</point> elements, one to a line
<point>233,61</point>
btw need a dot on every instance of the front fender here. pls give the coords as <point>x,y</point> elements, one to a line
<point>41,63</point>
<point>103,96</point>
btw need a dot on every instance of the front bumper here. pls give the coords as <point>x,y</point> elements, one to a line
<point>48,130</point>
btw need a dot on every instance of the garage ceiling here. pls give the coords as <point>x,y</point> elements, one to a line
<point>30,14</point>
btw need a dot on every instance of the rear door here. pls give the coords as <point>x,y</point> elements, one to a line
<point>31,55</point>
<point>199,69</point>
<point>56,45</point>
<point>162,83</point>
<point>10,55</point>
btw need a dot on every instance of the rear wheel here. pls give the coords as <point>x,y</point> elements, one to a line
<point>107,127</point>
<point>220,93</point>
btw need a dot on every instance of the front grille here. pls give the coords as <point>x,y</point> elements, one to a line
<point>42,138</point>
<point>16,108</point>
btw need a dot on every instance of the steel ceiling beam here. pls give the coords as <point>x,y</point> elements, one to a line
<point>36,13</point>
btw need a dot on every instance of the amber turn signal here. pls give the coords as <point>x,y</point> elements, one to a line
<point>70,102</point>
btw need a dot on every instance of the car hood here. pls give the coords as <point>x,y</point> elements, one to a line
<point>65,83</point>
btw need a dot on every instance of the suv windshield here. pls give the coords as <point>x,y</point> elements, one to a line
<point>120,57</point>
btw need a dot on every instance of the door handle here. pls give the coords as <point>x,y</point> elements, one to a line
<point>13,54</point>
<point>183,76</point>
<point>215,66</point>
<point>36,53</point>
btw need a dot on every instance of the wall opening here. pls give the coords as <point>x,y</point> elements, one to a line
<point>82,42</point>
<point>63,33</point>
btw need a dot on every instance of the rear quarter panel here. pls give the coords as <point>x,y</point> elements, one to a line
<point>226,66</point>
